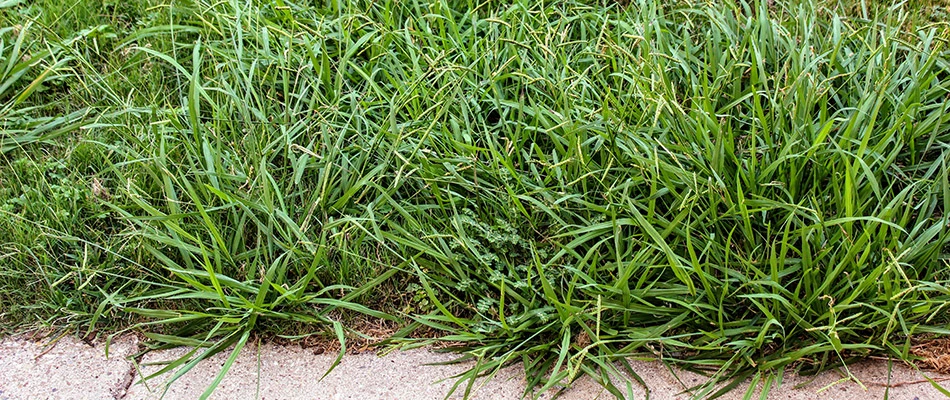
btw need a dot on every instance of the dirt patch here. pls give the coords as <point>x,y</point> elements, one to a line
<point>362,333</point>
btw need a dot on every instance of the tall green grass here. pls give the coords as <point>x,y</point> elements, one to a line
<point>735,189</point>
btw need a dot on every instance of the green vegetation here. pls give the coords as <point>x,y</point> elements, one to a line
<point>735,188</point>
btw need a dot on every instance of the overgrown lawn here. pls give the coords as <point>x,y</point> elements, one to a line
<point>733,187</point>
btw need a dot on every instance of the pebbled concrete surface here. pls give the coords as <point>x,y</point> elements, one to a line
<point>66,368</point>
<point>72,369</point>
<point>294,373</point>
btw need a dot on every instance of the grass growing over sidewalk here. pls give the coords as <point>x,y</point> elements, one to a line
<point>735,188</point>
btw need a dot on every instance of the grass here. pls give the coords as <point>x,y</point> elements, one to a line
<point>733,188</point>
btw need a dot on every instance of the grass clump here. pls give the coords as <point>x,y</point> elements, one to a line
<point>735,188</point>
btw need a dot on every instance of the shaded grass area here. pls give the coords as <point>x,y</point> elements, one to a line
<point>735,188</point>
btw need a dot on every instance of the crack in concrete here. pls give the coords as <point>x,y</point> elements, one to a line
<point>122,390</point>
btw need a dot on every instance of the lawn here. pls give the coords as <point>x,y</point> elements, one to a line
<point>734,187</point>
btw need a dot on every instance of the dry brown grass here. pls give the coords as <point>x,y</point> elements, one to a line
<point>934,354</point>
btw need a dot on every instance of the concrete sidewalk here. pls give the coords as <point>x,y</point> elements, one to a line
<point>71,369</point>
